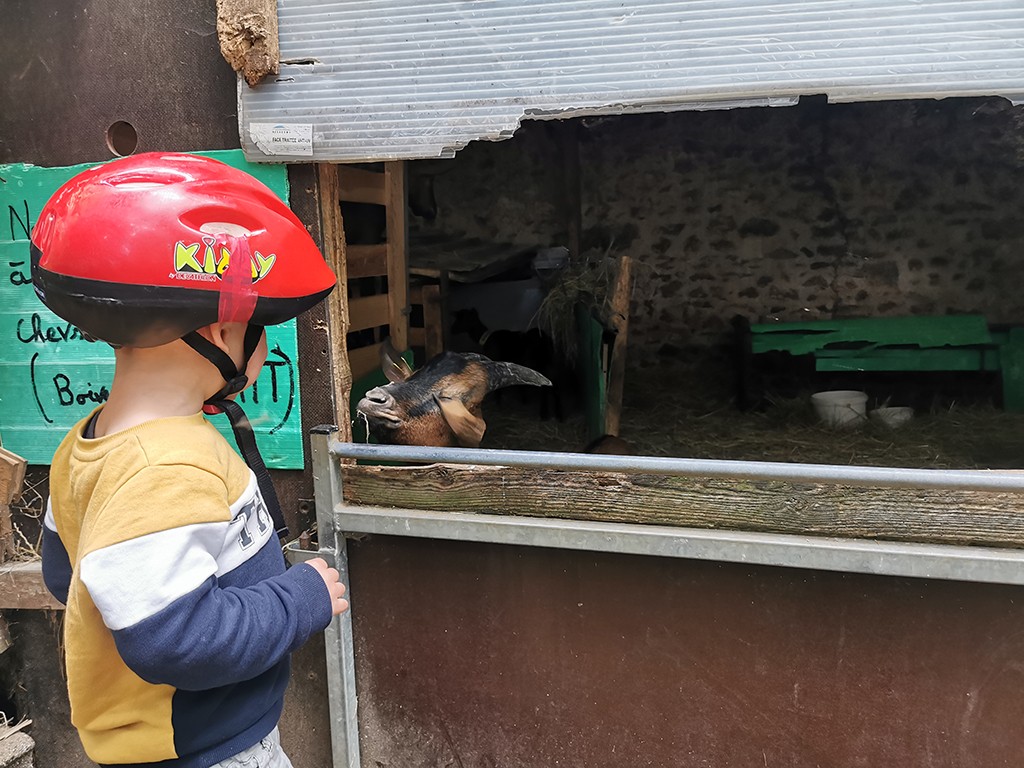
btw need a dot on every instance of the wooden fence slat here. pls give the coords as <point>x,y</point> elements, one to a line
<point>367,260</point>
<point>981,518</point>
<point>368,312</point>
<point>361,186</point>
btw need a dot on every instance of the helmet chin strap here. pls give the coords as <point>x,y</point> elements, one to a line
<point>235,381</point>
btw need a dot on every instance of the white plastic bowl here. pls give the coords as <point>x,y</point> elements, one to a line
<point>841,407</point>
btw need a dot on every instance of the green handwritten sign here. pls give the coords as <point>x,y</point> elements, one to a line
<point>50,377</point>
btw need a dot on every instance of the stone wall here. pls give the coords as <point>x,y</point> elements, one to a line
<point>813,211</point>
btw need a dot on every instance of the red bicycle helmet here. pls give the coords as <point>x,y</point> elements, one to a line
<point>143,250</point>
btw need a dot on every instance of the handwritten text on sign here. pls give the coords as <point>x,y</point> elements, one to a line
<point>50,376</point>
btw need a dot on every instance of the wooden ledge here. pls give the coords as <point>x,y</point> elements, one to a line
<point>22,587</point>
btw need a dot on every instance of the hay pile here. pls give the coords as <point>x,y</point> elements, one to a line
<point>690,414</point>
<point>587,282</point>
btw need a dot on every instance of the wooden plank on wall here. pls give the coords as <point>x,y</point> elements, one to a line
<point>361,186</point>
<point>397,250</point>
<point>979,518</point>
<point>367,261</point>
<point>368,312</point>
<point>333,228</point>
<point>22,587</point>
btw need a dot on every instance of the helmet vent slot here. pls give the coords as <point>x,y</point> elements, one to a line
<point>224,228</point>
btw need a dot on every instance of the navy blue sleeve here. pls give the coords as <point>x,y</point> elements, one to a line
<point>216,636</point>
<point>56,565</point>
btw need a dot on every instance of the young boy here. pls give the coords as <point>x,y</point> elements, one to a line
<point>180,614</point>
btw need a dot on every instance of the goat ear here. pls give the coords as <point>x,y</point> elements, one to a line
<point>393,364</point>
<point>468,429</point>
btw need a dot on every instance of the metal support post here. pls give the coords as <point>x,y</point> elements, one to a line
<point>341,673</point>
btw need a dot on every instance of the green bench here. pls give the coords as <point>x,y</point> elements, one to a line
<point>929,343</point>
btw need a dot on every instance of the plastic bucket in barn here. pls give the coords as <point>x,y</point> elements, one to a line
<point>841,407</point>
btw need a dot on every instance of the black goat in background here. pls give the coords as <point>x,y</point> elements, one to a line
<point>533,349</point>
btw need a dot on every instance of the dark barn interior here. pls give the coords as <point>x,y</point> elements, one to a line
<point>774,215</point>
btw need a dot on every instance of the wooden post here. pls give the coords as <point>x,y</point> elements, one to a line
<point>433,323</point>
<point>397,253</point>
<point>333,228</point>
<point>620,301</point>
<point>12,476</point>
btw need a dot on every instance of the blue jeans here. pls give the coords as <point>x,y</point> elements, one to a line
<point>263,754</point>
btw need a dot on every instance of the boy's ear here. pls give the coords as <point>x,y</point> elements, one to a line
<point>222,334</point>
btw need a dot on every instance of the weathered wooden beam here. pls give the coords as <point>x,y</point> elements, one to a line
<point>22,587</point>
<point>397,252</point>
<point>247,32</point>
<point>332,226</point>
<point>908,515</point>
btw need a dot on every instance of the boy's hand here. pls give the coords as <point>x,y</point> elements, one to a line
<point>335,587</point>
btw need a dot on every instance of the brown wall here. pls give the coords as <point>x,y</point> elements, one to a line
<point>486,655</point>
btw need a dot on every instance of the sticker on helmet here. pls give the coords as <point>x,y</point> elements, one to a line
<point>208,261</point>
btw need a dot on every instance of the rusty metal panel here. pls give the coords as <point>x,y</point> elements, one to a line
<point>394,79</point>
<point>488,655</point>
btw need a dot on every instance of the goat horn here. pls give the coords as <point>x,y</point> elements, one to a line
<point>501,374</point>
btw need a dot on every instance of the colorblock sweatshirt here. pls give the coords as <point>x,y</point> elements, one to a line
<point>180,614</point>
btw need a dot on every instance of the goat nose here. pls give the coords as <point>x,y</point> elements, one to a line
<point>379,395</point>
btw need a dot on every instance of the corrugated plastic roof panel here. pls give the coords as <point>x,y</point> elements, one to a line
<point>369,80</point>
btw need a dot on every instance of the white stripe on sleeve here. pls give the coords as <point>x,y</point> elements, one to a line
<point>133,580</point>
